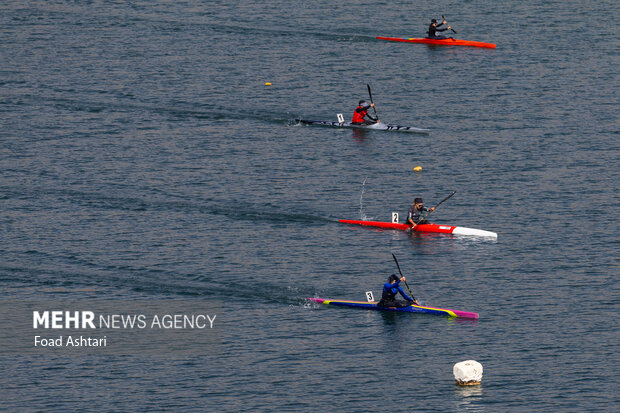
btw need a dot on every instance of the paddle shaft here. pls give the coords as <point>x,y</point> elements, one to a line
<point>401,276</point>
<point>444,19</point>
<point>373,103</point>
<point>432,209</point>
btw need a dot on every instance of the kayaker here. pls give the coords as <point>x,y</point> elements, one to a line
<point>390,289</point>
<point>434,28</point>
<point>361,114</point>
<point>415,211</point>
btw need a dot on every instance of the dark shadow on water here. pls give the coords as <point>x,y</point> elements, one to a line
<point>391,317</point>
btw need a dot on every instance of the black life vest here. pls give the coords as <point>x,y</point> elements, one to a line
<point>388,294</point>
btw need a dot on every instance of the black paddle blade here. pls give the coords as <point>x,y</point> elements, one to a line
<point>401,275</point>
<point>445,199</point>
<point>444,19</point>
<point>398,266</point>
<point>370,94</point>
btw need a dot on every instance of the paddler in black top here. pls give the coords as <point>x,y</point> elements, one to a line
<point>415,211</point>
<point>434,27</point>
<point>361,113</point>
<point>390,289</point>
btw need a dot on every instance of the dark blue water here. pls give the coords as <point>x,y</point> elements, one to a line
<point>143,156</point>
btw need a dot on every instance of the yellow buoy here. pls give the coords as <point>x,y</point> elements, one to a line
<point>417,168</point>
<point>267,84</point>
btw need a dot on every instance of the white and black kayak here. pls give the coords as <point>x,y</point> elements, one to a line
<point>374,126</point>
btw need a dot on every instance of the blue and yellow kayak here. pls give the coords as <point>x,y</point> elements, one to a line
<point>372,305</point>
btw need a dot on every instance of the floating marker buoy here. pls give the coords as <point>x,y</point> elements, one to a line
<point>417,168</point>
<point>267,84</point>
<point>468,373</point>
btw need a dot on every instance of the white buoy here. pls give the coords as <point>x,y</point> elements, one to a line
<point>468,373</point>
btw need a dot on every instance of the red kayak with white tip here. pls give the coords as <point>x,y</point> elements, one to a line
<point>436,228</point>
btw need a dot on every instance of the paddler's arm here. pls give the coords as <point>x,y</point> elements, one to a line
<point>410,220</point>
<point>404,294</point>
<point>372,105</point>
<point>407,297</point>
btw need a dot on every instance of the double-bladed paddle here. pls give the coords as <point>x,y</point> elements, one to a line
<point>402,276</point>
<point>432,209</point>
<point>444,19</point>
<point>373,103</point>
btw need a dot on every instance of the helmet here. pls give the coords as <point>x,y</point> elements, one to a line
<point>434,21</point>
<point>364,104</point>
<point>418,201</point>
<point>392,277</point>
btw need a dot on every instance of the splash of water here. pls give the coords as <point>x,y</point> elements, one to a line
<point>363,216</point>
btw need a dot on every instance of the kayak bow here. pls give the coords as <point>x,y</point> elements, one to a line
<point>436,228</point>
<point>440,42</point>
<point>372,305</point>
<point>375,126</point>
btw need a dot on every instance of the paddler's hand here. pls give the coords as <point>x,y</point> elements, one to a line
<point>403,279</point>
<point>415,302</point>
<point>432,209</point>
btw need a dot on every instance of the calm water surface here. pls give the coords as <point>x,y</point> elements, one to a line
<point>143,156</point>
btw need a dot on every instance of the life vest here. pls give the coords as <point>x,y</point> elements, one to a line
<point>359,115</point>
<point>388,292</point>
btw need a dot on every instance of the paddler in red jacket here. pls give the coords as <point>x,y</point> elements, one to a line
<point>361,113</point>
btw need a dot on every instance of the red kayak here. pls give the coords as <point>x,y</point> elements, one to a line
<point>440,42</point>
<point>442,229</point>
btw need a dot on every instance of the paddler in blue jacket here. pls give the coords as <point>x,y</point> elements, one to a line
<point>390,290</point>
<point>415,211</point>
<point>434,28</point>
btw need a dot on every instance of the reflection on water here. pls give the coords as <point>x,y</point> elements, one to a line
<point>360,135</point>
<point>468,398</point>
